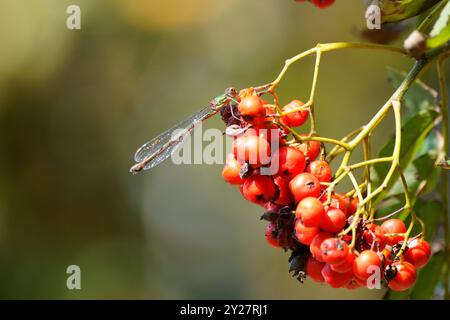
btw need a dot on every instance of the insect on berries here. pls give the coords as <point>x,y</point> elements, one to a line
<point>331,238</point>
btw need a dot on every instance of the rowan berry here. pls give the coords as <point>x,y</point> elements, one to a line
<point>284,196</point>
<point>364,262</point>
<point>321,170</point>
<point>393,226</point>
<point>405,277</point>
<point>335,279</point>
<point>314,247</point>
<point>311,211</point>
<point>346,265</point>
<point>311,148</point>
<point>251,107</point>
<point>259,189</point>
<point>252,149</point>
<point>305,234</point>
<point>334,251</point>
<point>314,268</point>
<point>304,185</point>
<point>419,253</point>
<point>296,118</point>
<point>231,170</point>
<point>322,3</point>
<point>334,220</point>
<point>291,161</point>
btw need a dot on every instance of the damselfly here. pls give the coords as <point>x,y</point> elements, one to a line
<point>161,147</point>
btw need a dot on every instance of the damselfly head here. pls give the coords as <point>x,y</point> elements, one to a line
<point>231,92</point>
<point>137,168</point>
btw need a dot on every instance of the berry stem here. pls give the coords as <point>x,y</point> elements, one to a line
<point>444,172</point>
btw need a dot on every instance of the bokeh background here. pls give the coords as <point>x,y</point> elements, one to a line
<point>76,104</point>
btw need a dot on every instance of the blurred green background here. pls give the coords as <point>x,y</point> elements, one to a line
<point>76,104</point>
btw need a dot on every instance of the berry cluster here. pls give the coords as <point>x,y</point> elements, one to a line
<point>319,3</point>
<point>304,216</point>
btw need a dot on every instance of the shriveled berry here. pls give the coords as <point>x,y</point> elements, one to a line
<point>272,235</point>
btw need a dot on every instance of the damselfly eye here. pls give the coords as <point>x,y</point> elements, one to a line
<point>231,92</point>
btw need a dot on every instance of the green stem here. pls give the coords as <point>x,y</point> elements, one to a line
<point>444,172</point>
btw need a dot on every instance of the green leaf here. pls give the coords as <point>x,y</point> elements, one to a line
<point>419,96</point>
<point>397,10</point>
<point>440,39</point>
<point>421,175</point>
<point>442,21</point>
<point>428,278</point>
<point>414,131</point>
<point>441,29</point>
<point>430,211</point>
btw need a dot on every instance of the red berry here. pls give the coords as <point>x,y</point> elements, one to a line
<point>321,170</point>
<point>322,3</point>
<point>272,236</point>
<point>310,211</point>
<point>374,236</point>
<point>305,234</point>
<point>314,268</point>
<point>337,201</point>
<point>259,189</point>
<point>405,278</point>
<point>387,253</point>
<point>304,185</point>
<point>285,196</point>
<point>364,262</point>
<point>311,149</point>
<point>251,107</point>
<point>346,265</point>
<point>336,279</point>
<point>253,149</point>
<point>291,162</point>
<point>334,250</point>
<point>353,284</point>
<point>231,170</point>
<point>296,118</point>
<point>334,220</point>
<point>393,226</point>
<point>315,245</point>
<point>419,253</point>
<point>352,206</point>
